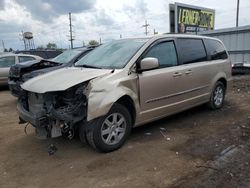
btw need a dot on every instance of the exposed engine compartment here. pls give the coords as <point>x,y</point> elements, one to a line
<point>54,113</point>
<point>69,106</point>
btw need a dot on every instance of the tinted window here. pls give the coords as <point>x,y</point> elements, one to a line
<point>191,50</point>
<point>7,61</point>
<point>215,49</point>
<point>66,56</point>
<point>25,58</point>
<point>165,53</point>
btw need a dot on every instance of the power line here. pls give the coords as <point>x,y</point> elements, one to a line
<point>146,27</point>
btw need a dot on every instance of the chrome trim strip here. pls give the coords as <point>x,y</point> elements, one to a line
<point>174,104</point>
<point>174,95</point>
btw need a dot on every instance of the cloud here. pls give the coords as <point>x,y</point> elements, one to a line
<point>47,10</point>
<point>103,19</point>
<point>9,28</point>
<point>74,6</point>
<point>2,4</point>
<point>10,33</point>
<point>94,19</point>
<point>139,9</point>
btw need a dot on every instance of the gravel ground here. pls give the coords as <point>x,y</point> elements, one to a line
<point>196,148</point>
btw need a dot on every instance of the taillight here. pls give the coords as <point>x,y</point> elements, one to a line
<point>231,66</point>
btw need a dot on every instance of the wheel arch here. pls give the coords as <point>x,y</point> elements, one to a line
<point>222,77</point>
<point>224,81</point>
<point>99,103</point>
<point>128,103</point>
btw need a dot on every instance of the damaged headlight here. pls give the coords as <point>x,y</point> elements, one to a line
<point>70,105</point>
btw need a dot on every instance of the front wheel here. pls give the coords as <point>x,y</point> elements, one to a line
<point>109,132</point>
<point>217,96</point>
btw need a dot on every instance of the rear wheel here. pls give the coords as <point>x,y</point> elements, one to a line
<point>217,96</point>
<point>109,132</point>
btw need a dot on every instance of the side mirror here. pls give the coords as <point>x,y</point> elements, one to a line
<point>148,63</point>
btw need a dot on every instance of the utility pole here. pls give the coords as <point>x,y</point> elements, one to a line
<point>3,45</point>
<point>237,14</point>
<point>146,27</point>
<point>120,36</point>
<point>155,32</point>
<point>100,40</point>
<point>70,32</point>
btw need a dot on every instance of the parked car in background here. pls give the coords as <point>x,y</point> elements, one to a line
<point>9,59</point>
<point>20,73</point>
<point>126,83</point>
<point>241,68</point>
<point>45,54</point>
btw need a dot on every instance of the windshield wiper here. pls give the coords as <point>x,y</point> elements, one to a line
<point>88,66</point>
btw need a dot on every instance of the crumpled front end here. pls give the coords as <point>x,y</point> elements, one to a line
<point>53,113</point>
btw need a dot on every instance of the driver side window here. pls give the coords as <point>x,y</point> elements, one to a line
<point>165,53</point>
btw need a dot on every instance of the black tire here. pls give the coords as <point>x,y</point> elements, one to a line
<point>213,104</point>
<point>82,134</point>
<point>94,130</point>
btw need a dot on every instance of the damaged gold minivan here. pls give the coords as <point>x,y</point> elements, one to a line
<point>123,84</point>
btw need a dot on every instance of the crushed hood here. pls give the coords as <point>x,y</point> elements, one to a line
<point>62,79</point>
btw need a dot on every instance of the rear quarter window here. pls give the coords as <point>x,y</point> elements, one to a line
<point>25,58</point>
<point>215,50</point>
<point>191,50</point>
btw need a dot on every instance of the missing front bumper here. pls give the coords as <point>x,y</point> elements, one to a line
<point>31,118</point>
<point>41,124</point>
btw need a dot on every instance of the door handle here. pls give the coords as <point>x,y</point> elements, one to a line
<point>176,74</point>
<point>189,72</point>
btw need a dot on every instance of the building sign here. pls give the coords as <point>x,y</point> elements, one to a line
<point>190,19</point>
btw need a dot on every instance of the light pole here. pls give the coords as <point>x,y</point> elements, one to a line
<point>237,14</point>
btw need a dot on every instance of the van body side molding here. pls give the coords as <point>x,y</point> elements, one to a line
<point>177,94</point>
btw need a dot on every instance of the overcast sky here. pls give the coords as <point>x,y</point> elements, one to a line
<point>94,19</point>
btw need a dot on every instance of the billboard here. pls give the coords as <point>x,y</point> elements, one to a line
<point>190,19</point>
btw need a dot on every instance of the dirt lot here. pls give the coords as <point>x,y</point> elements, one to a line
<point>197,148</point>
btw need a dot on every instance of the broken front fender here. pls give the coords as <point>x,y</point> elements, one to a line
<point>103,95</point>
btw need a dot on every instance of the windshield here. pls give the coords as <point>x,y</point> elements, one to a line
<point>112,55</point>
<point>66,56</point>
